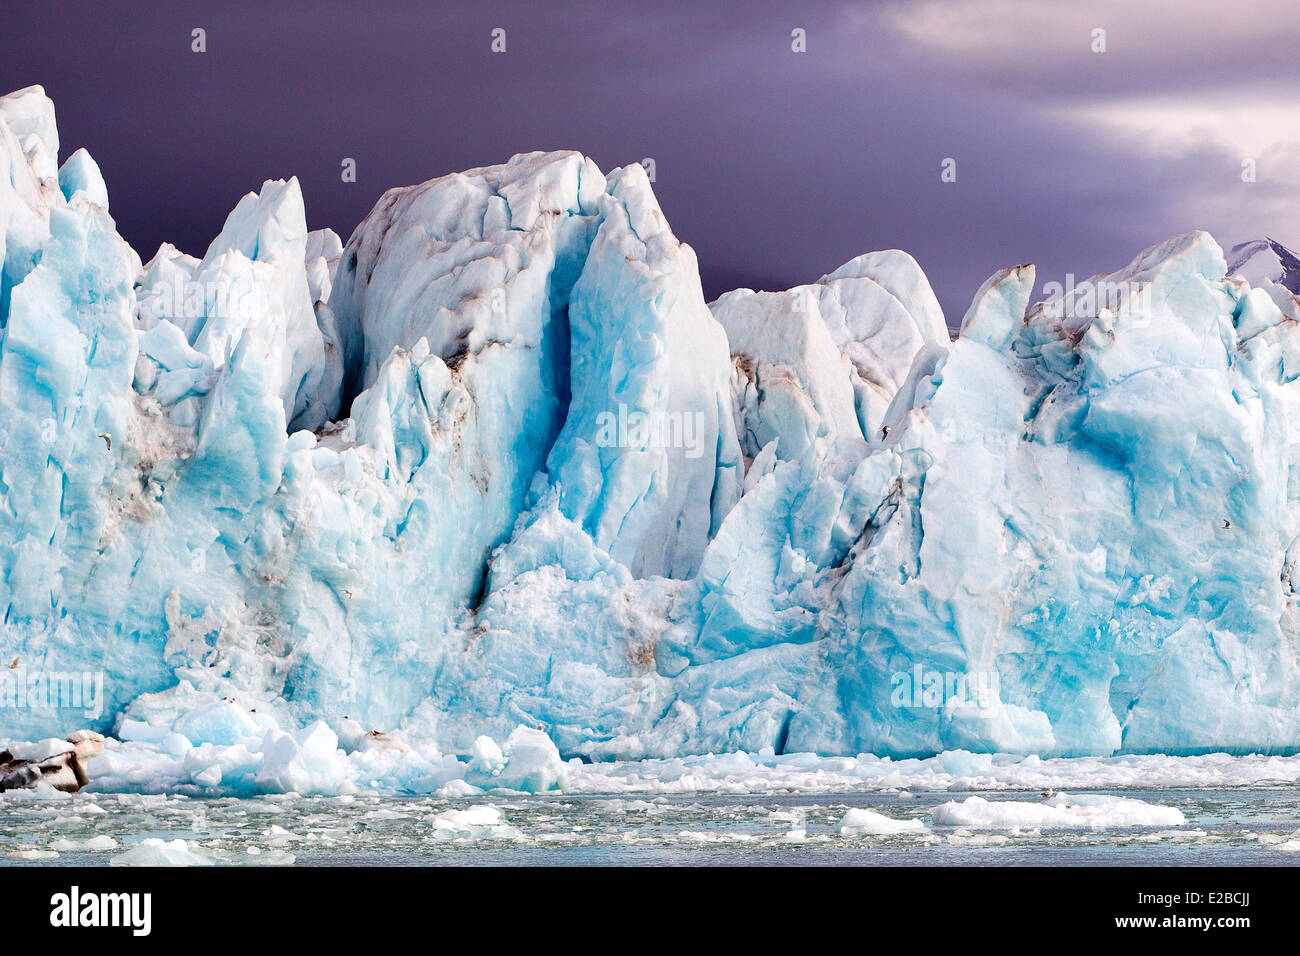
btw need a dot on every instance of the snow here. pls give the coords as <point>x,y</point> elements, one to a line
<point>323,517</point>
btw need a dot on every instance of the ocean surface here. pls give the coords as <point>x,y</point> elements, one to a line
<point>1229,826</point>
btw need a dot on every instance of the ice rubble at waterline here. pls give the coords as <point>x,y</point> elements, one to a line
<point>494,463</point>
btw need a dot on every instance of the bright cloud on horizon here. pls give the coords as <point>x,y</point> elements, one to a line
<point>1190,92</point>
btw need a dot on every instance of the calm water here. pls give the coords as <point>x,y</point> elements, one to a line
<point>1224,827</point>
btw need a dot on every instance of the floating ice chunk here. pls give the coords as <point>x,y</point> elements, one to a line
<point>39,749</point>
<point>1287,843</point>
<point>95,844</point>
<point>454,789</point>
<point>154,851</point>
<point>306,762</point>
<point>482,822</point>
<point>532,762</point>
<point>486,756</point>
<point>32,854</point>
<point>256,856</point>
<point>859,821</point>
<point>1087,811</point>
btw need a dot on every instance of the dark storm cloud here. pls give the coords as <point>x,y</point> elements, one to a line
<point>775,166</point>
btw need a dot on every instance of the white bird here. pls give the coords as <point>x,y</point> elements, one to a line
<point>1047,794</point>
<point>107,440</point>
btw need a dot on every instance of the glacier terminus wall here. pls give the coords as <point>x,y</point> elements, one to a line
<point>495,461</point>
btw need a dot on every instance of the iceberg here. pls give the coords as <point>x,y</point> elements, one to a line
<point>306,515</point>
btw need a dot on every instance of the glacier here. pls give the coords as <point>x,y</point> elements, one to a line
<point>493,467</point>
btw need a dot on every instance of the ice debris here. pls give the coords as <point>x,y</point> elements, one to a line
<point>859,821</point>
<point>1085,811</point>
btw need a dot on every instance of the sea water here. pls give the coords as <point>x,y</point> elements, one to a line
<point>1256,826</point>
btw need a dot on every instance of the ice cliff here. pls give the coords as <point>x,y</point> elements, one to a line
<point>494,461</point>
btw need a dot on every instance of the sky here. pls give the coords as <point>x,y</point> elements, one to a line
<point>775,165</point>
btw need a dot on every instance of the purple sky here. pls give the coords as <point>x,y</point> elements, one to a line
<point>775,166</point>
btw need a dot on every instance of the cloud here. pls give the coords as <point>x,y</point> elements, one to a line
<point>1155,45</point>
<point>777,167</point>
<point>1153,132</point>
<point>1248,122</point>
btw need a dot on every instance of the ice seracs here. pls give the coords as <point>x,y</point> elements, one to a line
<point>494,463</point>
<point>827,359</point>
